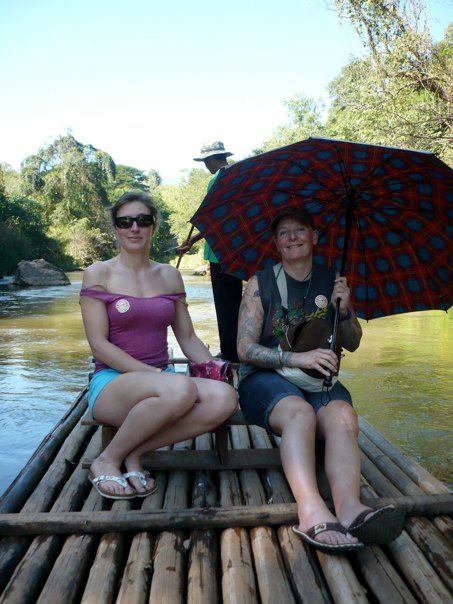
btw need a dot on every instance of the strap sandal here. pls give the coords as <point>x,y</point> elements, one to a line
<point>98,480</point>
<point>143,479</point>
<point>379,526</point>
<point>309,537</point>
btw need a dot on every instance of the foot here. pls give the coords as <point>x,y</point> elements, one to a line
<point>320,515</point>
<point>134,465</point>
<point>109,488</point>
<point>348,514</point>
<point>379,526</point>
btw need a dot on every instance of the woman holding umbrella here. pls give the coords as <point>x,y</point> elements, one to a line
<point>299,415</point>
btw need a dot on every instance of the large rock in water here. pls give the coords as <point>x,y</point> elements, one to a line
<point>39,272</point>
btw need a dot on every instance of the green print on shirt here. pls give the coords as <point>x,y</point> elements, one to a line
<point>282,319</point>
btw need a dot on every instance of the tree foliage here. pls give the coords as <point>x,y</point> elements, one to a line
<point>183,200</point>
<point>399,94</point>
<point>402,92</point>
<point>304,120</point>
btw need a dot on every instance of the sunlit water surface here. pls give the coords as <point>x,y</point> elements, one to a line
<point>400,377</point>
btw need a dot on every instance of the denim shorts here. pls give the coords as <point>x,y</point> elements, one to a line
<point>100,380</point>
<point>261,390</point>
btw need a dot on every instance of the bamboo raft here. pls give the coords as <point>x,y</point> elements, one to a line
<point>215,531</point>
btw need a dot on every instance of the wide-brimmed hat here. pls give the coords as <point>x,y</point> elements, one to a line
<point>210,149</point>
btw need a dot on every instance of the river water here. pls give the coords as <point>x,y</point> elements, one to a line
<point>400,378</point>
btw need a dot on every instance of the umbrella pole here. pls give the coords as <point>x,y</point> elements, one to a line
<point>181,254</point>
<point>350,205</point>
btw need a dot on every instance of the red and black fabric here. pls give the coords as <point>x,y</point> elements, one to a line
<point>399,252</point>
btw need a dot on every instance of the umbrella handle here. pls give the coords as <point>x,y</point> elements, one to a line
<point>328,379</point>
<point>181,254</point>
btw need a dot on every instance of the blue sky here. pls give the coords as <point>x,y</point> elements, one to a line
<point>150,81</point>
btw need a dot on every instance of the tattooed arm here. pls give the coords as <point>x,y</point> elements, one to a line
<point>250,327</point>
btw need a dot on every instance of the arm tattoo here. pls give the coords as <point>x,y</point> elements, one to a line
<point>251,318</point>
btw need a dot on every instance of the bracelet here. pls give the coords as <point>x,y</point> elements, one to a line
<point>345,317</point>
<point>280,356</point>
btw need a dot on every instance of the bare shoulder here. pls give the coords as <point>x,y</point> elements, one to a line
<point>97,275</point>
<point>171,276</point>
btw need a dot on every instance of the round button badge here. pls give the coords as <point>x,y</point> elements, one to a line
<point>321,301</point>
<point>122,305</point>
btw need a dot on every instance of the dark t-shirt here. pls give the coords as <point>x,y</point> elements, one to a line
<point>309,298</point>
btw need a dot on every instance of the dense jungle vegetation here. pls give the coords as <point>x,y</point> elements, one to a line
<point>398,94</point>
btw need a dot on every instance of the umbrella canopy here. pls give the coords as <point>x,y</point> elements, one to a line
<point>383,216</point>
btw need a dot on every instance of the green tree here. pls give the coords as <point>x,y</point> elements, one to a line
<point>183,200</point>
<point>404,87</point>
<point>304,120</point>
<point>69,177</point>
<point>126,178</point>
<point>23,234</point>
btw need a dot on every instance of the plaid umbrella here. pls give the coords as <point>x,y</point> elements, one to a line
<point>383,216</point>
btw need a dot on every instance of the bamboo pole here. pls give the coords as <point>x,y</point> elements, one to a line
<point>179,518</point>
<point>382,578</point>
<point>417,473</point>
<point>67,577</point>
<point>417,571</point>
<point>270,571</point>
<point>428,538</point>
<point>238,577</point>
<point>23,485</point>
<point>426,481</point>
<point>31,573</point>
<point>168,581</point>
<point>306,579</point>
<point>341,579</point>
<point>137,574</point>
<point>202,571</point>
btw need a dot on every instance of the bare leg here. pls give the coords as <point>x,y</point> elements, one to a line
<point>337,425</point>
<point>295,420</point>
<point>140,404</point>
<point>216,402</point>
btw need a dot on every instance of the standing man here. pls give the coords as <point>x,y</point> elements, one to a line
<point>227,290</point>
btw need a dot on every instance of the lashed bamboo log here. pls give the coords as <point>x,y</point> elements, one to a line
<point>426,481</point>
<point>45,523</point>
<point>343,583</point>
<point>202,570</point>
<point>306,579</point>
<point>270,571</point>
<point>52,479</point>
<point>168,583</point>
<point>103,578</point>
<point>31,573</point>
<point>422,531</point>
<point>22,486</point>
<point>65,581</point>
<point>136,578</point>
<point>382,578</point>
<point>419,574</point>
<point>238,578</point>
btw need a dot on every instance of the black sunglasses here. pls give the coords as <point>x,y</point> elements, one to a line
<point>125,222</point>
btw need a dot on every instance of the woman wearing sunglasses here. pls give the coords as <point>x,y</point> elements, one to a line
<point>127,304</point>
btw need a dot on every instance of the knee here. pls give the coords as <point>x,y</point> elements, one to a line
<point>293,414</point>
<point>226,400</point>
<point>181,393</point>
<point>347,420</point>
